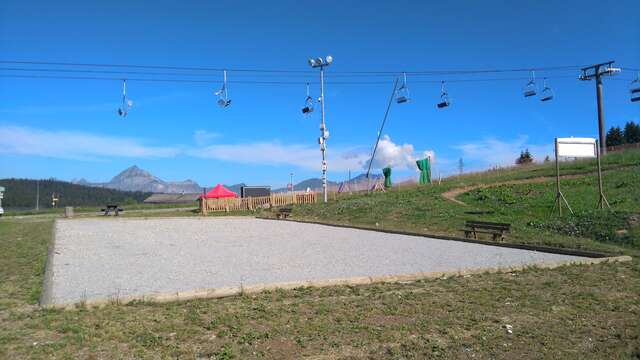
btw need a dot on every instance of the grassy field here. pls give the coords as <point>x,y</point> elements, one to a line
<point>572,312</point>
<point>528,207</point>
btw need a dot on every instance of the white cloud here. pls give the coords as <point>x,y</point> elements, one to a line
<point>273,153</point>
<point>396,156</point>
<point>74,145</point>
<point>203,137</point>
<point>77,145</point>
<point>490,152</point>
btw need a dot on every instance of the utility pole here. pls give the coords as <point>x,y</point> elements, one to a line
<point>596,72</point>
<point>291,181</point>
<point>37,195</point>
<point>324,133</point>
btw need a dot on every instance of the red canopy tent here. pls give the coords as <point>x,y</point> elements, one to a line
<point>219,192</point>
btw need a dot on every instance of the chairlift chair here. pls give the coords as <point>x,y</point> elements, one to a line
<point>547,93</point>
<point>222,94</point>
<point>444,98</point>
<point>530,89</point>
<point>308,103</point>
<point>403,91</point>
<point>126,102</point>
<point>634,89</point>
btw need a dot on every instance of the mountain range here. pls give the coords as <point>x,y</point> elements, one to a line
<point>137,179</point>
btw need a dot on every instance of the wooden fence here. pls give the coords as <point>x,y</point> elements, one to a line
<point>252,203</point>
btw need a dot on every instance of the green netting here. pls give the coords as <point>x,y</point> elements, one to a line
<point>387,177</point>
<point>425,170</point>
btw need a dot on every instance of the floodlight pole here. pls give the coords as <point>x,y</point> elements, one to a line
<point>323,146</point>
<point>324,134</point>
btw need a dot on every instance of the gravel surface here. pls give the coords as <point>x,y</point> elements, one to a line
<point>102,258</point>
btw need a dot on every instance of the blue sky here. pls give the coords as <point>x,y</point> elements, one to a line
<point>69,128</point>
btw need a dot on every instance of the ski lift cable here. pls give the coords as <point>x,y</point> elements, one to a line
<point>439,72</point>
<point>191,74</point>
<point>211,81</point>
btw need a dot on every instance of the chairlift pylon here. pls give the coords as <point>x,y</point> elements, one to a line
<point>530,89</point>
<point>222,94</point>
<point>308,103</point>
<point>547,92</point>
<point>403,91</point>
<point>126,102</point>
<point>634,89</point>
<point>444,97</point>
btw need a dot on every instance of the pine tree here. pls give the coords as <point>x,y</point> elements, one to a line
<point>524,158</point>
<point>631,132</point>
<point>615,136</point>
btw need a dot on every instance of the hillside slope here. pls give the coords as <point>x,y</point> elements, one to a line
<point>527,206</point>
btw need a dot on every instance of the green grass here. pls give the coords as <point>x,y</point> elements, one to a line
<point>572,312</point>
<point>528,207</point>
<point>23,253</point>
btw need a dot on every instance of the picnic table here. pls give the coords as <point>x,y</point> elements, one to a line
<point>112,208</point>
<point>283,212</point>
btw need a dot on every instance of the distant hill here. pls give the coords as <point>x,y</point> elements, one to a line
<point>314,183</point>
<point>357,183</point>
<point>21,194</point>
<point>137,179</point>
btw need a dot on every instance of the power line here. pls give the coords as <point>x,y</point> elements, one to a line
<point>148,66</point>
<point>215,81</point>
<point>408,72</point>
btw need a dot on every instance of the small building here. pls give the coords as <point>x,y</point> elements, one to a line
<point>255,191</point>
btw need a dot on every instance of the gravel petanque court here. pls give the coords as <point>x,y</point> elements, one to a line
<point>108,258</point>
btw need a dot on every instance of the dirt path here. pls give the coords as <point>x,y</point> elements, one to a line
<point>453,193</point>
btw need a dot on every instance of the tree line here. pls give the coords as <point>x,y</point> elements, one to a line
<point>21,194</point>
<point>629,135</point>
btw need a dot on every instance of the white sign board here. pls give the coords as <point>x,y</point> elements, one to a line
<point>576,147</point>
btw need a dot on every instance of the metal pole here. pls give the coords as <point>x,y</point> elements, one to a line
<point>323,146</point>
<point>37,195</point>
<point>291,181</point>
<point>603,142</point>
<point>558,179</point>
<point>386,113</point>
<point>602,200</point>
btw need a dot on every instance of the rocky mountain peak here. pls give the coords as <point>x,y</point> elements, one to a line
<point>133,172</point>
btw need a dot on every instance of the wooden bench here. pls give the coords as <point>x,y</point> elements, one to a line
<point>497,230</point>
<point>283,212</point>
<point>112,208</point>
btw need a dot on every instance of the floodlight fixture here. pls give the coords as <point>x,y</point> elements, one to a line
<point>320,62</point>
